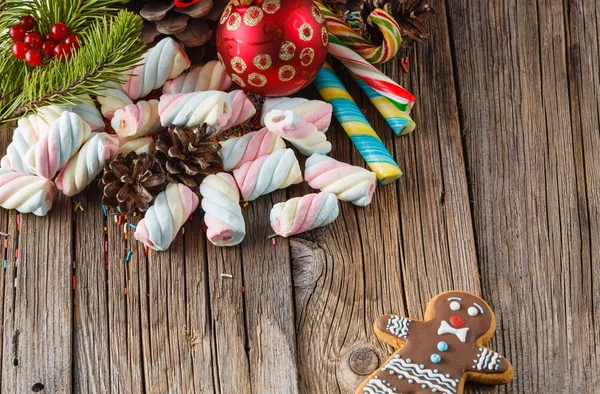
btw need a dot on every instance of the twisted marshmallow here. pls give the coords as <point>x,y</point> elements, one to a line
<point>242,109</point>
<point>304,213</point>
<point>24,137</point>
<point>316,112</point>
<point>211,76</point>
<point>165,218</point>
<point>87,163</point>
<point>55,149</point>
<point>136,120</point>
<point>237,151</point>
<point>293,128</point>
<point>88,112</point>
<point>25,193</point>
<point>112,99</point>
<point>223,214</point>
<point>137,145</point>
<point>266,174</point>
<point>347,182</point>
<point>167,60</point>
<point>194,109</point>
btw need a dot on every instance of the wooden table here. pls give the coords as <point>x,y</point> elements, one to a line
<point>500,197</point>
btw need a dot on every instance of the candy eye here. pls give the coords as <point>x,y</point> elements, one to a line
<point>472,311</point>
<point>454,306</point>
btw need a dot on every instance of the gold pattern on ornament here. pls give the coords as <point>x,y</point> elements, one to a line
<point>307,56</point>
<point>324,36</point>
<point>238,64</point>
<point>287,51</point>
<point>287,73</point>
<point>226,13</point>
<point>257,80</point>
<point>271,6</point>
<point>263,62</point>
<point>253,16</point>
<point>234,21</point>
<point>317,14</point>
<point>306,32</point>
<point>237,80</point>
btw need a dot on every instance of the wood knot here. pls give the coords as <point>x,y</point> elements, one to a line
<point>36,388</point>
<point>363,361</point>
<point>307,262</point>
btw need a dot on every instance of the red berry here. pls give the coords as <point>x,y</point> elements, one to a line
<point>72,40</point>
<point>62,51</point>
<point>33,39</point>
<point>59,31</point>
<point>17,32</point>
<point>28,22</point>
<point>48,48</point>
<point>33,58</point>
<point>19,50</point>
<point>48,37</point>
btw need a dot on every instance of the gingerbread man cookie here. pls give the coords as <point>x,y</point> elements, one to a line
<point>440,354</point>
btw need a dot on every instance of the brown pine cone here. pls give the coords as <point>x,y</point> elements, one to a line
<point>132,181</point>
<point>192,26</point>
<point>410,15</point>
<point>188,156</point>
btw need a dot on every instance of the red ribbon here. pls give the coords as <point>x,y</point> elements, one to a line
<point>184,3</point>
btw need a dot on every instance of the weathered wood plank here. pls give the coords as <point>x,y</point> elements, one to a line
<point>7,275</point>
<point>583,62</point>
<point>180,335</point>
<point>91,367</point>
<point>124,295</point>
<point>511,69</point>
<point>38,331</point>
<point>227,312</point>
<point>268,303</point>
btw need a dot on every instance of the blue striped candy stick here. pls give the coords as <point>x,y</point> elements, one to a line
<point>357,126</point>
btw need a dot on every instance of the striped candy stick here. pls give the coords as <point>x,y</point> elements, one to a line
<point>357,126</point>
<point>377,80</point>
<point>400,122</point>
<point>372,53</point>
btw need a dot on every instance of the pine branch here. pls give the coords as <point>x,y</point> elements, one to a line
<point>109,48</point>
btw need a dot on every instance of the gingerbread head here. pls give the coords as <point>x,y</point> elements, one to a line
<point>439,354</point>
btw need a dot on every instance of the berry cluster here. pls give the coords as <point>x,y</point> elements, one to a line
<point>31,46</point>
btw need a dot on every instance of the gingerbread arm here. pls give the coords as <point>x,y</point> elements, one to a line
<point>488,362</point>
<point>395,326</point>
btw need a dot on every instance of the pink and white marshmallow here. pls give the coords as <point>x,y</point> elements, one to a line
<point>293,128</point>
<point>137,145</point>
<point>167,60</point>
<point>24,137</point>
<point>249,147</point>
<point>211,76</point>
<point>58,146</point>
<point>223,214</point>
<point>87,163</point>
<point>137,120</point>
<point>112,99</point>
<point>303,214</point>
<point>316,112</point>
<point>25,193</point>
<point>165,218</point>
<point>347,182</point>
<point>266,174</point>
<point>194,109</point>
<point>242,109</point>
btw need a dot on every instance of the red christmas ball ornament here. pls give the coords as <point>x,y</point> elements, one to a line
<point>272,47</point>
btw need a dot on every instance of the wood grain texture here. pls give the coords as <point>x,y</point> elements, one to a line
<point>514,94</point>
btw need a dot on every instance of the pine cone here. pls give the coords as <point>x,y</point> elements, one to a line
<point>192,26</point>
<point>410,15</point>
<point>188,156</point>
<point>132,181</point>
